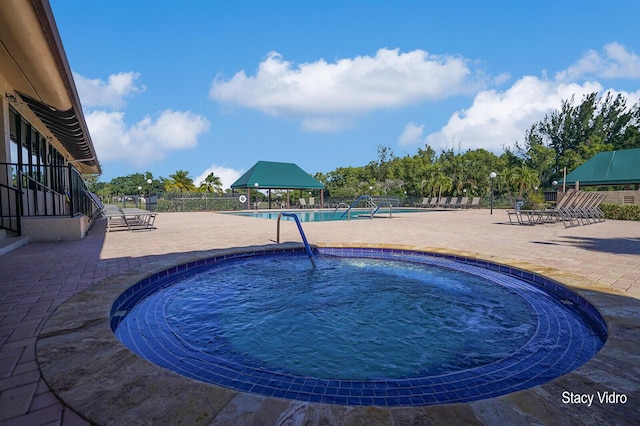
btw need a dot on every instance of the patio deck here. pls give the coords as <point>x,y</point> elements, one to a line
<point>601,261</point>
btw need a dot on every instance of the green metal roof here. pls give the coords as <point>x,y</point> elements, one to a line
<point>272,175</point>
<point>608,168</point>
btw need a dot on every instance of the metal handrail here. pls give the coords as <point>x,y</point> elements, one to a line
<point>304,238</point>
<point>355,203</point>
<point>382,205</point>
<point>339,205</point>
<point>63,186</point>
<point>18,225</point>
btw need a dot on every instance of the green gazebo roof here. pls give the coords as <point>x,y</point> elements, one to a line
<point>272,175</point>
<point>608,168</point>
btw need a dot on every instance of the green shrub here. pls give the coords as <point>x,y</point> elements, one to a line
<point>621,211</point>
<point>203,204</point>
<point>535,201</point>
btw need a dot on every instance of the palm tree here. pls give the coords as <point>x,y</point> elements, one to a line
<point>180,181</point>
<point>211,183</point>
<point>522,178</point>
<point>441,183</point>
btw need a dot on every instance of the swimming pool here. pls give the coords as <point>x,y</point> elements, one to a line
<point>564,333</point>
<point>327,215</point>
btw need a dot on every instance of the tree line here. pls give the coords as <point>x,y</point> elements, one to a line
<point>565,138</point>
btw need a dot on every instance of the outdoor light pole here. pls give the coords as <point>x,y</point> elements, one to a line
<point>139,194</point>
<point>149,182</point>
<point>492,175</point>
<point>256,185</point>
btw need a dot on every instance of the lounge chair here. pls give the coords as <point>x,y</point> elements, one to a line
<point>564,210</point>
<point>131,219</point>
<point>312,202</point>
<point>444,202</point>
<point>587,208</point>
<point>453,203</point>
<point>424,203</point>
<point>138,219</point>
<point>475,203</point>
<point>303,203</point>
<point>568,208</point>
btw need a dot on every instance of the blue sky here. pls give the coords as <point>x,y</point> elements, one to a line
<point>217,85</point>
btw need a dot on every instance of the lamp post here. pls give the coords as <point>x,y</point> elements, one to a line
<point>148,197</point>
<point>139,194</point>
<point>492,175</point>
<point>256,185</point>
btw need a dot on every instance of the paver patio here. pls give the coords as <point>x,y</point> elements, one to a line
<point>605,257</point>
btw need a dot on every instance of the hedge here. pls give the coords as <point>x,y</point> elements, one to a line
<point>621,211</point>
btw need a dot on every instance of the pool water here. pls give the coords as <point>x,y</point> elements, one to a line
<point>273,325</point>
<point>350,319</point>
<point>329,215</point>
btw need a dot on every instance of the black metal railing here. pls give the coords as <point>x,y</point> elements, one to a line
<point>10,209</point>
<point>45,191</point>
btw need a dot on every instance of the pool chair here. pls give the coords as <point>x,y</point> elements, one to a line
<point>138,219</point>
<point>564,210</point>
<point>462,202</point>
<point>443,202</point>
<point>593,209</point>
<point>452,203</point>
<point>116,220</point>
<point>587,209</point>
<point>598,213</point>
<point>424,203</point>
<point>303,203</point>
<point>312,202</point>
<point>475,203</point>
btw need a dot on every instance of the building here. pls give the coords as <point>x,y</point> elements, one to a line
<point>610,169</point>
<point>45,145</point>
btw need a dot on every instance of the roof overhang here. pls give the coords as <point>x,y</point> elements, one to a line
<point>276,175</point>
<point>33,61</point>
<point>608,168</point>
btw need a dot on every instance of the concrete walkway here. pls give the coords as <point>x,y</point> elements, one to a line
<point>38,278</point>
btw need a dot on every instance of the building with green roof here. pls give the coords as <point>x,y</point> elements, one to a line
<point>274,175</point>
<point>608,168</point>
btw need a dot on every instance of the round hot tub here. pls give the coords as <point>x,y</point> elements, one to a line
<point>367,327</point>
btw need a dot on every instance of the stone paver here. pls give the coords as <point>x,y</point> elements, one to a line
<point>37,278</point>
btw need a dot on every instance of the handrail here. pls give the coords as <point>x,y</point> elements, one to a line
<point>63,187</point>
<point>339,205</point>
<point>18,228</point>
<point>382,205</point>
<point>304,238</point>
<point>355,203</point>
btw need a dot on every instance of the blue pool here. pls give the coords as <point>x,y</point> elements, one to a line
<point>326,215</point>
<point>368,327</point>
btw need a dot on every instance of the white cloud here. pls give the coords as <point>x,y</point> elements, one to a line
<point>227,175</point>
<point>411,135</point>
<point>146,141</point>
<point>320,91</point>
<point>498,119</point>
<point>109,94</point>
<point>614,62</point>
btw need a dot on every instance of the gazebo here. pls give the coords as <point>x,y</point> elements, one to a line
<point>608,168</point>
<point>273,175</point>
